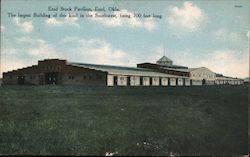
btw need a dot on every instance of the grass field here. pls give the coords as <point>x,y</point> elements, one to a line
<point>69,120</point>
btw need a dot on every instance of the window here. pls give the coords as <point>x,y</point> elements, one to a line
<point>84,77</point>
<point>71,77</point>
<point>10,77</point>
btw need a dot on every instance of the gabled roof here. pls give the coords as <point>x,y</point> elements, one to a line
<point>164,59</point>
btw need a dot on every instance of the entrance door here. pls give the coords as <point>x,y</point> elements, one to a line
<point>203,82</point>
<point>115,81</point>
<point>150,81</point>
<point>128,81</point>
<point>51,78</point>
<point>20,80</point>
<point>141,81</point>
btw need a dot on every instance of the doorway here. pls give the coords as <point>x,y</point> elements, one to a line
<point>51,78</point>
<point>20,80</point>
<point>203,82</point>
<point>115,81</point>
<point>128,81</point>
<point>141,81</point>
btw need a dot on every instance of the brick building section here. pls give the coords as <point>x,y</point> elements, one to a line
<point>55,71</point>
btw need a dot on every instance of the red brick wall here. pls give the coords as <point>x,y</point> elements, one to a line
<point>67,74</point>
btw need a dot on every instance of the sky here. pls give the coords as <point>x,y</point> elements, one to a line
<point>212,34</point>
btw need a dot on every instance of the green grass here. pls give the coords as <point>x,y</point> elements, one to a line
<point>67,120</point>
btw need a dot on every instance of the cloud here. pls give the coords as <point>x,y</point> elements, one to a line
<point>10,59</point>
<point>67,21</point>
<point>225,35</point>
<point>128,20</point>
<point>229,63</point>
<point>188,18</point>
<point>226,61</point>
<point>37,48</point>
<point>96,51</point>
<point>26,26</point>
<point>33,49</point>
<point>93,51</point>
<point>41,50</point>
<point>2,28</point>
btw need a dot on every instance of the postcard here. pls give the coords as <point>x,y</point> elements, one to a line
<point>117,78</point>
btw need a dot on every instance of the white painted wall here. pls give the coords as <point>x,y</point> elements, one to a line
<point>145,81</point>
<point>122,80</point>
<point>172,81</point>
<point>155,81</point>
<point>134,81</point>
<point>217,82</point>
<point>180,81</point>
<point>209,82</point>
<point>202,73</point>
<point>164,81</point>
<point>110,80</point>
<point>196,82</point>
<point>187,82</point>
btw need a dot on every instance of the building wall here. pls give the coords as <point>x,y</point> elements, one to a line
<point>85,78</point>
<point>110,80</point>
<point>146,81</point>
<point>172,81</point>
<point>29,74</point>
<point>209,82</point>
<point>197,82</point>
<point>228,81</point>
<point>122,80</point>
<point>164,81</point>
<point>155,81</point>
<point>134,80</point>
<point>65,74</point>
<point>187,82</point>
<point>203,73</point>
<point>180,82</point>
